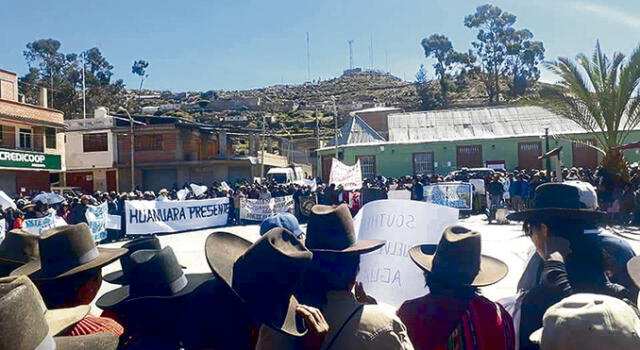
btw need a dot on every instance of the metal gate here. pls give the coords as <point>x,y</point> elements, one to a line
<point>583,155</point>
<point>469,156</point>
<point>528,153</point>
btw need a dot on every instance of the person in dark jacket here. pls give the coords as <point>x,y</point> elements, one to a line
<point>417,190</point>
<point>79,210</point>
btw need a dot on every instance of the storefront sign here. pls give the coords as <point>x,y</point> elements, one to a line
<point>10,158</point>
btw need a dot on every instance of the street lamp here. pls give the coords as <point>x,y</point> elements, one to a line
<point>132,149</point>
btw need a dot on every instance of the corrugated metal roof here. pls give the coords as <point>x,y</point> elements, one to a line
<point>356,131</point>
<point>477,123</point>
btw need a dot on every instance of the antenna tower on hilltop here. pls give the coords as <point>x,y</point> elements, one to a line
<point>350,42</point>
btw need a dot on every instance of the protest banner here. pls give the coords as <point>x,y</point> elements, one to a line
<point>389,274</point>
<point>97,220</point>
<point>3,229</point>
<point>355,202</point>
<point>114,222</point>
<point>306,203</point>
<point>478,185</point>
<point>350,177</point>
<point>6,201</point>
<point>36,226</point>
<point>260,209</point>
<point>457,195</point>
<point>147,217</point>
<point>399,194</point>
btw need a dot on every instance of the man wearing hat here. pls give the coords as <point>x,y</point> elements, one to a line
<point>68,273</point>
<point>328,285</point>
<point>573,262</point>
<point>454,312</point>
<point>78,211</point>
<point>254,286</point>
<point>18,248</point>
<point>589,322</point>
<point>26,324</point>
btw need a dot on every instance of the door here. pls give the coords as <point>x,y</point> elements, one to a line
<point>326,168</point>
<point>112,181</point>
<point>84,180</point>
<point>528,153</point>
<point>469,156</point>
<point>583,155</point>
<point>8,184</point>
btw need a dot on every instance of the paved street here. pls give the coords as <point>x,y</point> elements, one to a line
<point>505,242</point>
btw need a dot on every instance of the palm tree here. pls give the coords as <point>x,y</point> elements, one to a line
<point>598,94</point>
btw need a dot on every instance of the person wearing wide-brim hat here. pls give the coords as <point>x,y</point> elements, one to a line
<point>328,285</point>
<point>68,273</point>
<point>143,243</point>
<point>23,325</point>
<point>568,260</point>
<point>454,270</point>
<point>18,248</point>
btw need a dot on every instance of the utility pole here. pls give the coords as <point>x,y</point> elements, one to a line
<point>264,122</point>
<point>546,150</point>
<point>131,149</point>
<point>350,42</point>
<point>84,92</point>
<point>335,125</point>
<point>317,142</point>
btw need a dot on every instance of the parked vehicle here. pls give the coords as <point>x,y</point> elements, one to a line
<point>62,190</point>
<point>476,173</point>
<point>285,175</point>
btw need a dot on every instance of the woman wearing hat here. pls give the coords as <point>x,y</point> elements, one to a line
<point>454,312</point>
<point>574,262</point>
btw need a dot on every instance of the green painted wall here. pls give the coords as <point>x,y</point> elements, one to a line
<point>396,160</point>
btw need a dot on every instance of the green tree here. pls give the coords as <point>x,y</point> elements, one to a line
<point>421,75</point>
<point>447,59</point>
<point>139,68</point>
<point>600,95</point>
<point>524,57</point>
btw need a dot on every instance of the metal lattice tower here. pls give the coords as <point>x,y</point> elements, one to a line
<point>350,42</point>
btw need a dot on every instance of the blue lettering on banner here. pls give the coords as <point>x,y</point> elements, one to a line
<point>455,195</point>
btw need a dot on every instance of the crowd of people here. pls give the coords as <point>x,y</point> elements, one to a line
<point>292,289</point>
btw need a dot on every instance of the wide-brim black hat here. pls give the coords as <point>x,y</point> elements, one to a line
<point>330,230</point>
<point>155,274</point>
<point>65,251</point>
<point>569,199</point>
<point>119,277</point>
<point>256,273</point>
<point>458,259</point>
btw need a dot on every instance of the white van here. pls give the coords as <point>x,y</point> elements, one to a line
<point>285,175</point>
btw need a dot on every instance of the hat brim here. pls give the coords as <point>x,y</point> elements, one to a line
<point>116,277</point>
<point>120,297</point>
<point>60,319</point>
<point>359,247</point>
<point>99,341</point>
<point>633,267</point>
<point>222,250</point>
<point>34,270</point>
<point>536,337</point>
<point>585,214</point>
<point>491,271</point>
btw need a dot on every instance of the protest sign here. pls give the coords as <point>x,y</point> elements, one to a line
<point>36,226</point>
<point>355,202</point>
<point>182,194</point>
<point>457,195</point>
<point>6,201</point>
<point>260,209</point>
<point>306,203</point>
<point>3,229</point>
<point>350,177</point>
<point>146,217</point>
<point>399,194</point>
<point>114,222</point>
<point>389,274</point>
<point>478,185</point>
<point>198,190</point>
<point>97,220</point>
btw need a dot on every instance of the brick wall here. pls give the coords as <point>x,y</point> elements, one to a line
<point>8,137</point>
<point>22,110</point>
<point>167,154</point>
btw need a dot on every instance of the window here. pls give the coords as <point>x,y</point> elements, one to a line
<point>24,139</point>
<point>423,163</point>
<point>50,137</point>
<point>148,142</point>
<point>368,166</point>
<point>95,142</point>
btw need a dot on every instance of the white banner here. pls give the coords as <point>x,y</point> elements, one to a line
<point>478,185</point>
<point>450,194</point>
<point>260,209</point>
<point>350,177</point>
<point>389,274</point>
<point>97,220</point>
<point>3,229</point>
<point>36,226</point>
<point>146,217</point>
<point>399,194</point>
<point>6,201</point>
<point>114,222</point>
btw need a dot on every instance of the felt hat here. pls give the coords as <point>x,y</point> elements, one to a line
<point>24,325</point>
<point>153,274</point>
<point>633,267</point>
<point>18,248</point>
<point>569,199</point>
<point>330,230</point>
<point>65,251</point>
<point>263,275</point>
<point>285,220</point>
<point>458,259</point>
<point>119,277</point>
<point>57,319</point>
<point>589,322</point>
